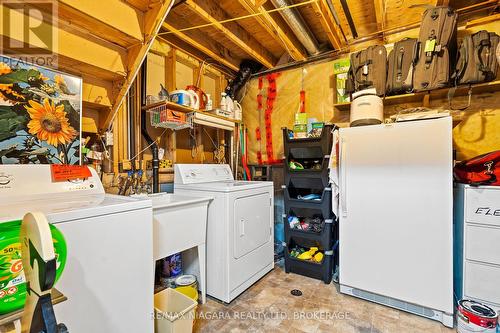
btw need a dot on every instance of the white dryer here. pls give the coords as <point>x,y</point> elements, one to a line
<point>240,227</point>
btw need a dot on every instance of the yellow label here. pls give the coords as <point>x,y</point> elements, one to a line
<point>430,45</point>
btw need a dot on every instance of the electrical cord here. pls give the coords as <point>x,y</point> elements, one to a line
<point>194,146</point>
<point>219,150</point>
<point>156,141</point>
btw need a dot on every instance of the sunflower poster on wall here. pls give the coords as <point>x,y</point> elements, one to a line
<point>40,114</point>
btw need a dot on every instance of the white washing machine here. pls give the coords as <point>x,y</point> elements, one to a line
<point>109,273</point>
<point>240,226</point>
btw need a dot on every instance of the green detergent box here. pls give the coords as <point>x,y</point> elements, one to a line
<point>340,69</point>
<point>301,118</point>
<point>12,280</point>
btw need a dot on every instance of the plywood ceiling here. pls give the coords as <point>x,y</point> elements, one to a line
<point>266,38</point>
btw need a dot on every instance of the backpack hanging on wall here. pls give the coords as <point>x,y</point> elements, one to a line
<point>476,60</point>
<point>400,66</point>
<point>480,170</point>
<point>368,70</point>
<point>436,48</point>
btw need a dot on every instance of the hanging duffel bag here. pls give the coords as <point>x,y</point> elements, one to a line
<point>476,61</point>
<point>437,44</point>
<point>480,170</point>
<point>368,70</point>
<point>400,66</point>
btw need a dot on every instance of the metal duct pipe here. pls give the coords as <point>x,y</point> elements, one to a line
<point>298,26</point>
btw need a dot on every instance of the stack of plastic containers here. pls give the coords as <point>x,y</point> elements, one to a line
<point>310,225</point>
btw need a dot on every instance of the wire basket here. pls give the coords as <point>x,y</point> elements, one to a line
<point>163,117</point>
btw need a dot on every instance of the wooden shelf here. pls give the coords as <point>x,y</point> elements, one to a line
<point>433,94</point>
<point>57,297</point>
<point>95,106</point>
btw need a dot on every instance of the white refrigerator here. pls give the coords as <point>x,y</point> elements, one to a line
<point>396,216</point>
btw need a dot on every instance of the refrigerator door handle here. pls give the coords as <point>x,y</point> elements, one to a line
<point>343,178</point>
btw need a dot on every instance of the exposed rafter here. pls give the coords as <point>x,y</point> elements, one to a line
<point>349,18</point>
<point>442,2</point>
<point>99,20</point>
<point>277,29</point>
<point>210,11</point>
<point>153,20</point>
<point>100,57</point>
<point>379,13</point>
<point>483,20</point>
<point>142,5</point>
<point>204,44</point>
<point>327,22</point>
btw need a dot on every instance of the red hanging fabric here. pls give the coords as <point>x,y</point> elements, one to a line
<point>271,98</point>
<point>258,134</point>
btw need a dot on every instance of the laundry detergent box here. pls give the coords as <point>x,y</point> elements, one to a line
<point>12,279</point>
<point>340,69</point>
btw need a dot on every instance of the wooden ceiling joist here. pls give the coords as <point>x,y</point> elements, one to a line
<point>379,13</point>
<point>153,20</point>
<point>185,49</point>
<point>201,42</point>
<point>106,58</point>
<point>104,19</point>
<point>276,29</point>
<point>142,5</point>
<point>442,2</point>
<point>483,20</point>
<point>327,22</point>
<point>210,11</point>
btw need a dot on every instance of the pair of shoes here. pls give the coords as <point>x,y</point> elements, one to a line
<point>295,166</point>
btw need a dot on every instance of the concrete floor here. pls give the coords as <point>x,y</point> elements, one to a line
<point>268,306</point>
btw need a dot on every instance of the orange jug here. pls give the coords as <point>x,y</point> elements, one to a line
<point>201,94</point>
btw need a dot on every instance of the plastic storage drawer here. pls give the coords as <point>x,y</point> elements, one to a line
<point>321,271</point>
<point>322,240</point>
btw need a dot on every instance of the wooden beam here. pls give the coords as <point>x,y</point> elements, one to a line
<point>78,51</point>
<point>277,29</point>
<point>442,2</point>
<point>321,10</point>
<point>189,50</point>
<point>104,19</point>
<point>142,5</point>
<point>483,20</point>
<point>379,13</point>
<point>153,20</point>
<point>211,12</point>
<point>165,49</point>
<point>170,70</point>
<point>211,48</point>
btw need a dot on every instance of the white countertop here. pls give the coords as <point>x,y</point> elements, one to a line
<point>170,200</point>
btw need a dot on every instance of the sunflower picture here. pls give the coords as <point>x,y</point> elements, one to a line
<point>40,114</point>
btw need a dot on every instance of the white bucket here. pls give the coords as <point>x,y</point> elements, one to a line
<point>474,317</point>
<point>366,109</point>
